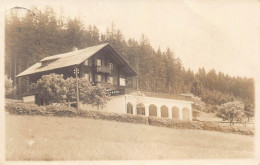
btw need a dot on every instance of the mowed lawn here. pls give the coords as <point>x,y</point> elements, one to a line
<point>64,138</point>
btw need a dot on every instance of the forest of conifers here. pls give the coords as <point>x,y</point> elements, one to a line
<point>41,33</point>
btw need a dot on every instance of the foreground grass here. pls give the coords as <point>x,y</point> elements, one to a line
<point>64,138</point>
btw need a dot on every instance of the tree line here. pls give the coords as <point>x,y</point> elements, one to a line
<point>41,33</point>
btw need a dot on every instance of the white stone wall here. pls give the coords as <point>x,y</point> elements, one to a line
<point>118,104</point>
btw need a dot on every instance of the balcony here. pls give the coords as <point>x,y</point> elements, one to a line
<point>104,69</point>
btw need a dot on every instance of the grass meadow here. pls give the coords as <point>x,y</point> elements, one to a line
<point>65,138</point>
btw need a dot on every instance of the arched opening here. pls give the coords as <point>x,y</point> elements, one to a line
<point>140,109</point>
<point>129,108</point>
<point>152,110</point>
<point>175,112</point>
<point>185,113</point>
<point>164,111</point>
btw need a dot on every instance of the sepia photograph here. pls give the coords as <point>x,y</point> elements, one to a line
<point>147,80</point>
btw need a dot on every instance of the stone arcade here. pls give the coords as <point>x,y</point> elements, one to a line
<point>150,106</point>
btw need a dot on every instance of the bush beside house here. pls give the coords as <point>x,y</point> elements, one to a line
<point>53,88</point>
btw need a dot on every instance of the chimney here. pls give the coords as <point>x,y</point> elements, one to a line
<point>74,48</point>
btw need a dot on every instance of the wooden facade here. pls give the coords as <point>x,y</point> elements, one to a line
<point>102,70</point>
<point>105,68</point>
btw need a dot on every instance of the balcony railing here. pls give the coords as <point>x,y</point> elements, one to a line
<point>104,69</point>
<point>116,92</point>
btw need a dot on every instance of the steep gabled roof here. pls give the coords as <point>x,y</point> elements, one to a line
<point>74,58</point>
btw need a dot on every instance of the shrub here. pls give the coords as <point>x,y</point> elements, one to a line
<point>211,108</point>
<point>213,126</point>
<point>53,88</point>
<point>60,110</point>
<point>33,109</point>
<point>49,88</point>
<point>195,114</point>
<point>24,109</point>
<point>88,94</point>
<point>231,111</point>
<point>173,123</point>
<point>114,116</point>
<point>198,104</point>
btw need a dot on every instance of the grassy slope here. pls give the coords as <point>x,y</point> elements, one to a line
<point>62,138</point>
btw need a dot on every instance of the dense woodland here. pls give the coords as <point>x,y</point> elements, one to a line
<point>40,33</point>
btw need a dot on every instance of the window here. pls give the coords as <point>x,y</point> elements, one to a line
<point>46,62</point>
<point>98,77</point>
<point>90,77</point>
<point>98,62</point>
<point>111,66</point>
<point>103,78</point>
<point>111,80</point>
<point>122,81</point>
<point>86,76</point>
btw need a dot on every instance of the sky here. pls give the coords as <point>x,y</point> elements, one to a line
<point>219,35</point>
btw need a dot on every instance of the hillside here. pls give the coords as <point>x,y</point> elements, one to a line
<point>63,138</point>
